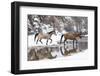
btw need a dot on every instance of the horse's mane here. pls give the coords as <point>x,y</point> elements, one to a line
<point>50,32</point>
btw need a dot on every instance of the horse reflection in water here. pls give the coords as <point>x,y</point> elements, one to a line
<point>54,51</point>
<point>65,51</point>
<point>42,53</point>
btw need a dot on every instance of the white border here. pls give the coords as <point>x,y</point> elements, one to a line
<point>60,62</point>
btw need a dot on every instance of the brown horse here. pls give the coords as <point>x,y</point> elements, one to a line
<point>71,36</point>
<point>44,36</point>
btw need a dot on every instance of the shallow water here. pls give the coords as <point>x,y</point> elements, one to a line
<point>54,51</point>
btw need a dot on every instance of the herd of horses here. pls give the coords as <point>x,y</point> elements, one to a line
<point>71,36</point>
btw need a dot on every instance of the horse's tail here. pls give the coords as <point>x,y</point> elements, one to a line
<point>61,39</point>
<point>36,36</point>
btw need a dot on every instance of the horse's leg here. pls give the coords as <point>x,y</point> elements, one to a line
<point>76,43</point>
<point>47,42</point>
<point>37,41</point>
<point>40,41</point>
<point>73,43</point>
<point>64,41</point>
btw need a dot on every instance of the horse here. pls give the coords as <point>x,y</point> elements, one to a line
<point>71,36</point>
<point>44,36</point>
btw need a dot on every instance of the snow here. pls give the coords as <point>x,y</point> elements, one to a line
<point>76,56</point>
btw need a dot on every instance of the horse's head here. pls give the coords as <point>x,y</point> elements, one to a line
<point>52,32</point>
<point>78,35</point>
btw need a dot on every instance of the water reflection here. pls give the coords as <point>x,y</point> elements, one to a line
<point>54,51</point>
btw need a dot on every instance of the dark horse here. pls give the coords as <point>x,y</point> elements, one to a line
<point>44,36</point>
<point>71,36</point>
